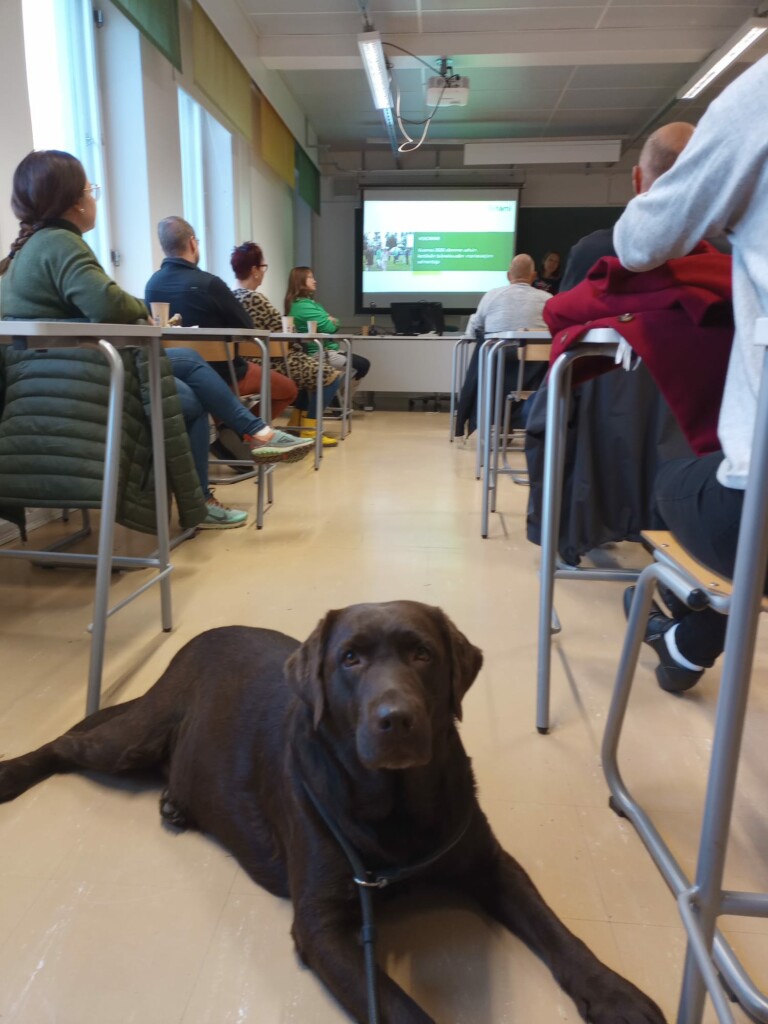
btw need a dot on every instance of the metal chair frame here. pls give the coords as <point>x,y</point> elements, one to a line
<point>107,339</point>
<point>346,346</point>
<point>493,438</point>
<point>603,342</point>
<point>202,339</point>
<point>703,899</point>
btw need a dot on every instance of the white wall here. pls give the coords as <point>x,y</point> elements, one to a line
<point>272,228</point>
<point>15,122</point>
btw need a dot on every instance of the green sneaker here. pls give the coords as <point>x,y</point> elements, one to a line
<point>281,447</point>
<point>222,518</point>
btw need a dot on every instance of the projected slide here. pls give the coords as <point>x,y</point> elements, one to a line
<point>450,250</point>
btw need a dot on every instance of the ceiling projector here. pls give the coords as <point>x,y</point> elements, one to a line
<point>448,92</point>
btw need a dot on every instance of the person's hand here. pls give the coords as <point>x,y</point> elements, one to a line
<point>334,320</point>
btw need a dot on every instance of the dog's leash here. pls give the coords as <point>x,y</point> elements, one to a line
<point>367,880</point>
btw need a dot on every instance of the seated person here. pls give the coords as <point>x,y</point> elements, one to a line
<point>52,274</point>
<point>300,303</point>
<point>514,306</point>
<point>548,278</point>
<point>718,184</point>
<point>608,476</point>
<point>249,269</point>
<point>204,300</point>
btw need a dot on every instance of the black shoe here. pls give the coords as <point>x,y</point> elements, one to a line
<point>671,677</point>
<point>677,609</point>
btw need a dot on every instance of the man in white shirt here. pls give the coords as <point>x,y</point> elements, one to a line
<point>719,184</point>
<point>509,308</point>
<point>514,305</point>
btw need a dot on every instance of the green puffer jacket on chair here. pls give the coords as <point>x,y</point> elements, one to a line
<point>53,416</point>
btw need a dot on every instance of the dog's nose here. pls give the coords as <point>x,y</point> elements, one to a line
<point>394,719</point>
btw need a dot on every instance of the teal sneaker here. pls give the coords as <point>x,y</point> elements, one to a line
<point>281,447</point>
<point>222,518</point>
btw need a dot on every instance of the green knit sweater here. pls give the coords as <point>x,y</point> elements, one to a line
<point>56,276</point>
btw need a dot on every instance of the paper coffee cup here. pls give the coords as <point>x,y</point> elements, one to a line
<point>311,326</point>
<point>160,312</point>
<point>287,322</point>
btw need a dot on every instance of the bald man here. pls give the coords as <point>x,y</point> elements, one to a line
<point>659,153</point>
<point>514,305</point>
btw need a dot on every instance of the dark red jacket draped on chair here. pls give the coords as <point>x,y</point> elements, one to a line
<point>678,318</point>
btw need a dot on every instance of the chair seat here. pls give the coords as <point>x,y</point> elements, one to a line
<point>666,543</point>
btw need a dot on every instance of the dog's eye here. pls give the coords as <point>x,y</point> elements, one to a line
<point>423,653</point>
<point>349,657</point>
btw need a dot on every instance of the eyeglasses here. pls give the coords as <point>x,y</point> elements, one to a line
<point>263,266</point>
<point>95,191</point>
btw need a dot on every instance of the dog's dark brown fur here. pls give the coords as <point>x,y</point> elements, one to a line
<point>365,714</point>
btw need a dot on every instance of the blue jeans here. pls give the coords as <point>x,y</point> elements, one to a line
<point>307,400</point>
<point>203,393</point>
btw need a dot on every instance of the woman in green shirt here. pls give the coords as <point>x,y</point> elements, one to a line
<point>301,305</point>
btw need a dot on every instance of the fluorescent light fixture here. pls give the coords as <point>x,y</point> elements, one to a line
<point>543,151</point>
<point>721,59</point>
<point>375,68</point>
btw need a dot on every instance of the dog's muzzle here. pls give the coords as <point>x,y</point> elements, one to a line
<point>395,733</point>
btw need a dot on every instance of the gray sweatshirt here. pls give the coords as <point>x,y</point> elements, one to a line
<point>719,184</point>
<point>509,308</point>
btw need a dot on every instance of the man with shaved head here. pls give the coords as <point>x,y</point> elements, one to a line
<point>659,153</point>
<point>517,304</point>
<point>620,428</point>
<point>513,306</point>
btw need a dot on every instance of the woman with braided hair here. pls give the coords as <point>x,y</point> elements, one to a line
<point>51,273</point>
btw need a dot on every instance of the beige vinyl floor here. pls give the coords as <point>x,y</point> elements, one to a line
<point>108,918</point>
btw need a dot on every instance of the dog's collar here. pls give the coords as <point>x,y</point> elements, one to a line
<point>381,879</point>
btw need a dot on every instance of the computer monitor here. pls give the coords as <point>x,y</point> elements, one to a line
<point>417,317</point>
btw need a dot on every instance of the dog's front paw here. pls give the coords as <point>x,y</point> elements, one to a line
<point>611,999</point>
<point>171,813</point>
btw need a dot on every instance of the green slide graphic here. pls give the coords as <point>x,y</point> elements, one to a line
<point>462,250</point>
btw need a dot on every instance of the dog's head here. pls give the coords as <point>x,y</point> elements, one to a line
<point>390,674</point>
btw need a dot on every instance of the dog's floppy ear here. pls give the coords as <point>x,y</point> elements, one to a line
<point>304,668</point>
<point>466,662</point>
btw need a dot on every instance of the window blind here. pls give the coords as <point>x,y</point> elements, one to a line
<point>219,74</point>
<point>307,179</point>
<point>278,148</point>
<point>158,20</point>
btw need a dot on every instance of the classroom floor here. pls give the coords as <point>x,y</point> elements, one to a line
<point>108,918</point>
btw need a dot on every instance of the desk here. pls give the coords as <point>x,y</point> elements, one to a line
<point>108,338</point>
<point>405,364</point>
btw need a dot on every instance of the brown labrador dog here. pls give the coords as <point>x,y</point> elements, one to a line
<point>244,721</point>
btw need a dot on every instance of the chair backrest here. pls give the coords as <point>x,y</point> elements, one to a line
<point>211,351</point>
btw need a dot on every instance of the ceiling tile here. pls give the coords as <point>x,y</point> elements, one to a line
<point>631,76</point>
<point>673,16</point>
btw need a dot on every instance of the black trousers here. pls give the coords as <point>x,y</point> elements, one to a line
<point>360,366</point>
<point>704,517</point>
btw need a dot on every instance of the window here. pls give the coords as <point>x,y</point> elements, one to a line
<point>207,183</point>
<point>63,90</point>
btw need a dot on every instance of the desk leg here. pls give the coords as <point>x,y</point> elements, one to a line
<point>501,365</point>
<point>107,526</point>
<point>480,406</point>
<point>346,408</point>
<point>319,405</point>
<point>161,481</point>
<point>554,453</point>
